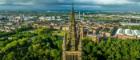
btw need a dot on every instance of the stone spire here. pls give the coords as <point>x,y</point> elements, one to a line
<point>73,33</point>
<point>72,47</point>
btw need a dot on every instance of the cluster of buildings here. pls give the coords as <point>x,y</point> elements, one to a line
<point>91,29</point>
<point>9,23</point>
<point>94,29</point>
<point>127,34</point>
<point>49,18</point>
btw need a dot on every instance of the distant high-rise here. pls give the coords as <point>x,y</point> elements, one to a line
<point>72,49</point>
<point>79,15</point>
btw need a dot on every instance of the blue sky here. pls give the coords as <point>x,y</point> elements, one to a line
<point>113,5</point>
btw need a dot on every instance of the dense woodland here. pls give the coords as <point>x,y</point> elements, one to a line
<point>46,44</point>
<point>112,49</point>
<point>32,44</point>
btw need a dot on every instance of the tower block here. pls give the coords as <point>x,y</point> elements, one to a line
<point>72,48</point>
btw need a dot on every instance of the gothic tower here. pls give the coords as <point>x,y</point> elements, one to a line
<point>72,48</point>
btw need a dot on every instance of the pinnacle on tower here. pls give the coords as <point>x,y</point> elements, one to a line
<point>72,44</point>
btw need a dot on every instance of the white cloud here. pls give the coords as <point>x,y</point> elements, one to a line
<point>2,2</point>
<point>23,3</point>
<point>91,6</point>
<point>15,2</point>
<point>107,2</point>
<point>112,2</point>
